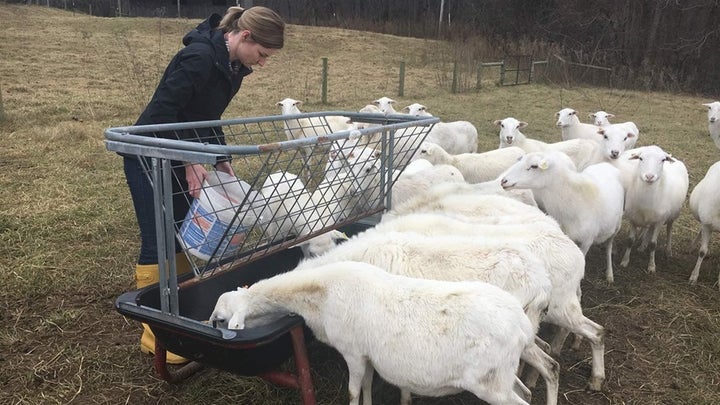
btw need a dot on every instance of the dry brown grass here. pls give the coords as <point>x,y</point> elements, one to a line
<point>68,237</point>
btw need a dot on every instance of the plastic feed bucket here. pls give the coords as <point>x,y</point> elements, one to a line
<point>203,231</point>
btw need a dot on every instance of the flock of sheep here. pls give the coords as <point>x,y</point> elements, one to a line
<point>447,292</point>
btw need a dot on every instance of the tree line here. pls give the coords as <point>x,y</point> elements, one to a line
<point>650,44</point>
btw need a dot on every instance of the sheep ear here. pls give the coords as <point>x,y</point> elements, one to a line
<point>279,104</point>
<point>630,135</point>
<point>611,115</point>
<point>522,124</point>
<point>591,115</point>
<point>634,156</point>
<point>543,165</point>
<point>406,109</point>
<point>391,101</point>
<point>557,114</point>
<point>669,158</point>
<point>298,103</point>
<point>497,122</point>
<point>237,321</point>
<point>707,105</point>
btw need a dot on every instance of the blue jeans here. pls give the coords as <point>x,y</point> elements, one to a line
<point>142,195</point>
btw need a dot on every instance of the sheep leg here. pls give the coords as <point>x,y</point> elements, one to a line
<point>704,237</point>
<point>558,340</point>
<point>571,317</point>
<point>668,240</point>
<point>357,368</point>
<point>405,397</point>
<point>630,244</point>
<point>543,344</point>
<point>554,349</point>
<point>608,257</point>
<point>653,246</point>
<point>497,388</point>
<point>547,367</point>
<point>522,391</point>
<point>367,384</point>
<point>644,240</point>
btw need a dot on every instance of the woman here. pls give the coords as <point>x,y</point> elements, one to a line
<point>197,85</point>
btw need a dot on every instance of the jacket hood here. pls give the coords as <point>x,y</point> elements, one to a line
<point>203,32</point>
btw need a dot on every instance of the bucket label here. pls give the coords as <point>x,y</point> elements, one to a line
<point>202,234</point>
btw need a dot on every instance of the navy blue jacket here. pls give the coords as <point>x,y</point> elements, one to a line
<point>197,85</point>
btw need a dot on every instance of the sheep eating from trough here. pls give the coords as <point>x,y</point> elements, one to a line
<point>399,326</point>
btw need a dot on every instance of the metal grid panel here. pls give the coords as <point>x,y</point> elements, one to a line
<point>287,192</point>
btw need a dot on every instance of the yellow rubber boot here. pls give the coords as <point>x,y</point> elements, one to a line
<point>146,274</point>
<point>182,265</point>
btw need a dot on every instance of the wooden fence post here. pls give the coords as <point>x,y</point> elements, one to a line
<point>2,109</point>
<point>454,78</point>
<point>324,80</point>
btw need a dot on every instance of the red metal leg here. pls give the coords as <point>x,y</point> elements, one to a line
<point>172,376</point>
<point>303,366</point>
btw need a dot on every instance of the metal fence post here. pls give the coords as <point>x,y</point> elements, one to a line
<point>324,80</point>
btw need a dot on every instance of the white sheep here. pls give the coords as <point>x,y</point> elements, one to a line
<point>513,268</point>
<point>562,257</point>
<point>588,205</point>
<point>655,195</point>
<point>493,187</point>
<point>713,115</point>
<point>583,152</point>
<point>601,118</point>
<point>399,326</point>
<point>385,105</point>
<point>295,213</point>
<point>475,167</point>
<point>572,128</point>
<point>313,126</point>
<point>455,136</point>
<point>617,138</point>
<point>704,203</point>
<point>409,184</point>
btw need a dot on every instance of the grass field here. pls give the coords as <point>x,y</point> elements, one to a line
<point>68,237</point>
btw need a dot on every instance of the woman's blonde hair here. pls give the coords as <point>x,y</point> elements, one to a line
<point>267,28</point>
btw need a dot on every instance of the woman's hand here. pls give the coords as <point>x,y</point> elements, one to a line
<point>225,167</point>
<point>195,175</point>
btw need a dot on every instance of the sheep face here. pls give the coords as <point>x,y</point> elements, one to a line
<point>289,106</point>
<point>614,139</point>
<point>713,112</point>
<point>533,170</point>
<point>650,162</point>
<point>417,110</point>
<point>385,104</point>
<point>428,151</point>
<point>509,128</point>
<point>566,117</point>
<point>230,309</point>
<point>601,118</point>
